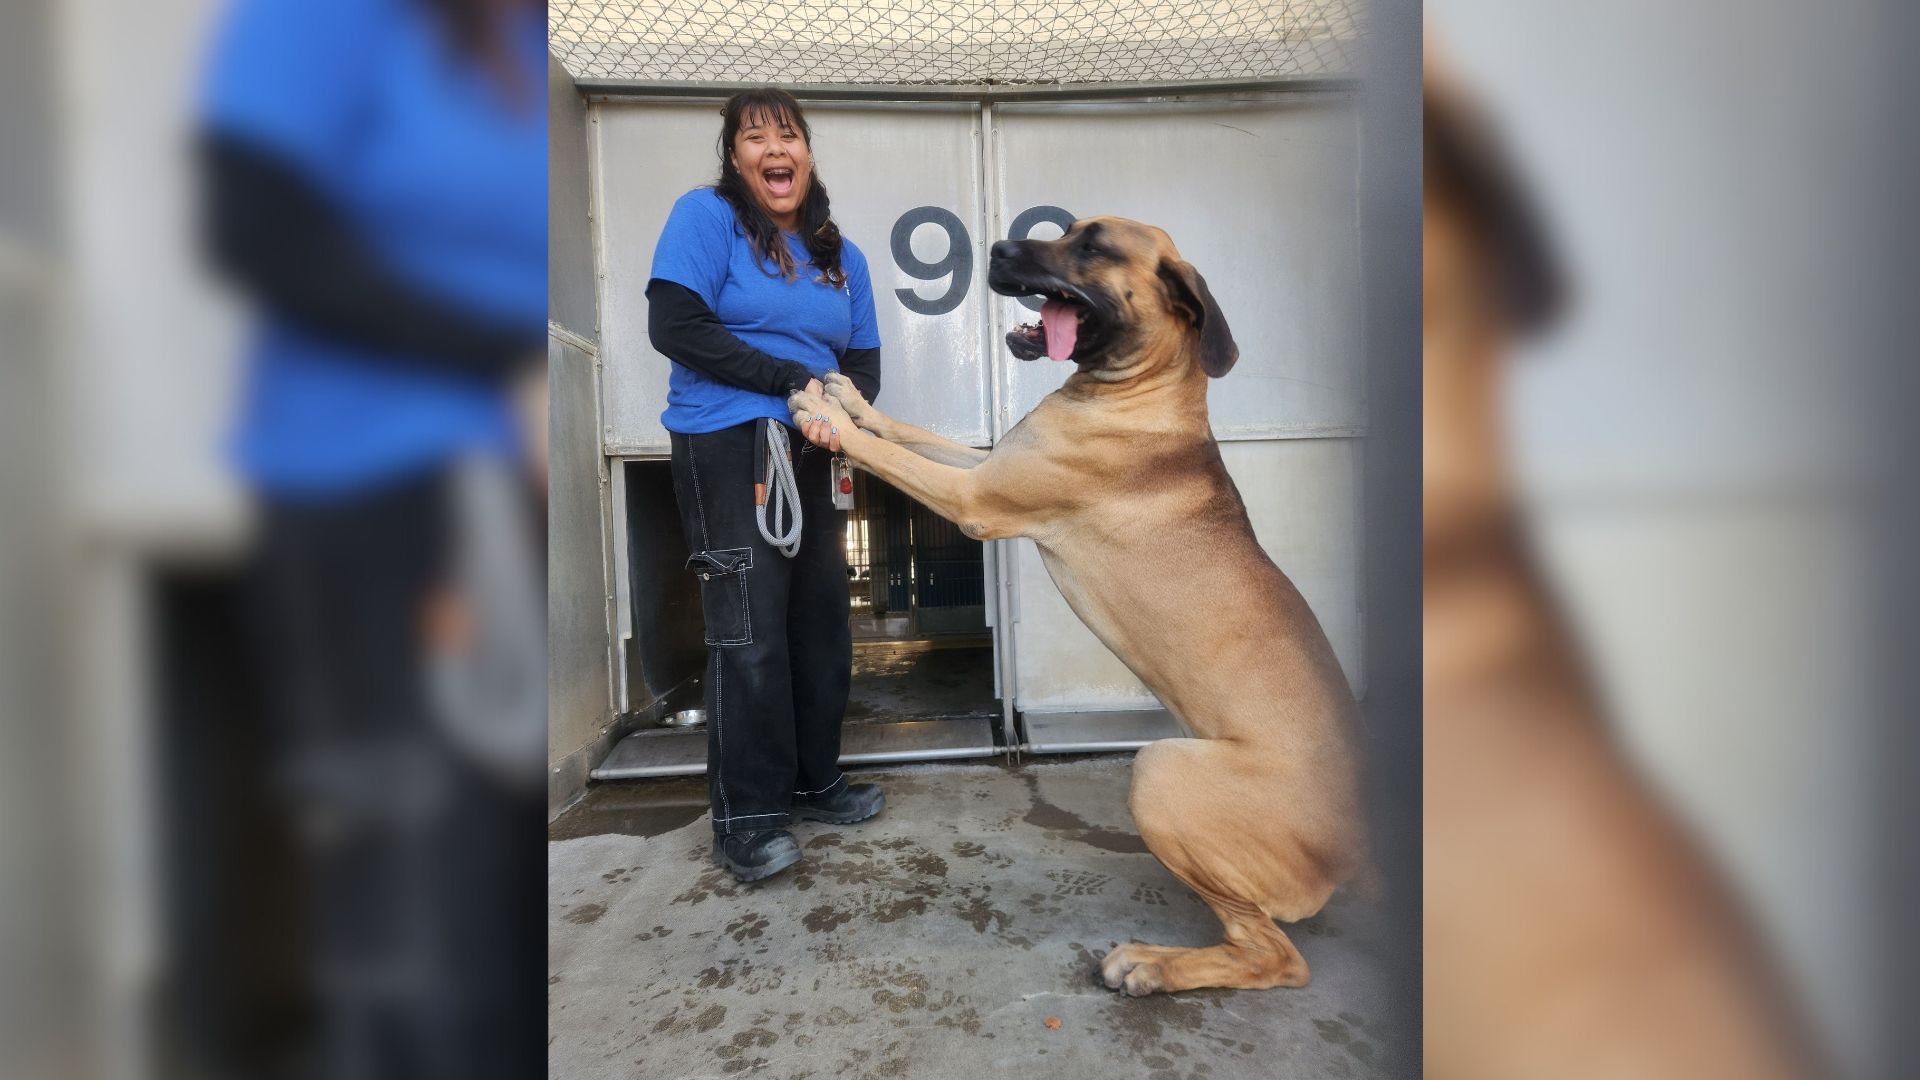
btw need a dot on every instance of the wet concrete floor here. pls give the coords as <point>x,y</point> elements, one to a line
<point>921,681</point>
<point>956,935</point>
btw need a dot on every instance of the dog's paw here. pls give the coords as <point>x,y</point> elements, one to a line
<point>1126,969</point>
<point>848,397</point>
<point>819,418</point>
<point>1143,980</point>
<point>804,405</point>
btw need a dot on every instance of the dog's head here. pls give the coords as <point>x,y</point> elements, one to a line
<point>1119,299</point>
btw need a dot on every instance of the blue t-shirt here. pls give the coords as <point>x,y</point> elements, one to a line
<point>433,166</point>
<point>703,249</point>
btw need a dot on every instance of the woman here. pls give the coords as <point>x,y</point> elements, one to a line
<point>375,182</point>
<point>753,295</point>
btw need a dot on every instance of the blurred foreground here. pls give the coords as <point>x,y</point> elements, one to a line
<point>1668,611</point>
<point>1670,590</point>
<point>272,283</point>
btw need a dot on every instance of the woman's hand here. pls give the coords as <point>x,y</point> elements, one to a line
<point>818,417</point>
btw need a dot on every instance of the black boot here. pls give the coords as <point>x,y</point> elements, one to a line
<point>750,856</point>
<point>853,802</point>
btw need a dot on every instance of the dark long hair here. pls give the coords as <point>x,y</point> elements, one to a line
<point>822,236</point>
<point>479,31</point>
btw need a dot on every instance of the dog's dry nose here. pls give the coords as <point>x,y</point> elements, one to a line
<point>1004,249</point>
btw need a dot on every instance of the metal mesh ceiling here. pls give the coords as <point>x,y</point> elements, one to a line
<point>952,42</point>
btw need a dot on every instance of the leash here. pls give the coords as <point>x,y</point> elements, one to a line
<point>776,488</point>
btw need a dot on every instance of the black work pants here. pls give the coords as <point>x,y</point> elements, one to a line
<point>779,648</point>
<point>426,875</point>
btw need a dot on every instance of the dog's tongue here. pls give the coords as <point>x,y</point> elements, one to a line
<point>1061,318</point>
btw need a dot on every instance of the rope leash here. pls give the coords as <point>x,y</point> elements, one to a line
<point>777,492</point>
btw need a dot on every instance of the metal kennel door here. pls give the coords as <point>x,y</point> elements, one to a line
<point>906,186</point>
<point>1260,193</point>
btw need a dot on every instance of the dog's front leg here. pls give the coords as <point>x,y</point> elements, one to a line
<point>968,497</point>
<point>919,440</point>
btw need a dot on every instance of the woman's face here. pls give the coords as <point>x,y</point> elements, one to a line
<point>777,165</point>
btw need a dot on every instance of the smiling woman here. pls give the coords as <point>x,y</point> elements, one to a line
<point>766,172</point>
<point>754,294</point>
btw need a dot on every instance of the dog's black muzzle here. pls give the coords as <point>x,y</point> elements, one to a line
<point>1016,268</point>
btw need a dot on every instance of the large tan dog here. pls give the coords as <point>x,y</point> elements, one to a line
<point>1572,927</point>
<point>1116,477</point>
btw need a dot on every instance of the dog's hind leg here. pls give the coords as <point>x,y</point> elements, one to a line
<point>1255,956</point>
<point>1209,821</point>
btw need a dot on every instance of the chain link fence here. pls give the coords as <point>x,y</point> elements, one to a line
<point>953,42</point>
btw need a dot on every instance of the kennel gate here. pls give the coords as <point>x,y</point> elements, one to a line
<point>1258,189</point>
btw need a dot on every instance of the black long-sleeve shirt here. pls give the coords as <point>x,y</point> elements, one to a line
<point>683,329</point>
<point>282,239</point>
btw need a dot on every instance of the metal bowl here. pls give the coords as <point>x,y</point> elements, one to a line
<point>685,718</point>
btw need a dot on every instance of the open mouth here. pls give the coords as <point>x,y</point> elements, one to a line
<point>1056,334</point>
<point>1077,321</point>
<point>779,181</point>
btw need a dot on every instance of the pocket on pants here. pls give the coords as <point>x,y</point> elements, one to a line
<point>723,594</point>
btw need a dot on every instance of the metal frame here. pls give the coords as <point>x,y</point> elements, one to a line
<point>984,94</point>
<point>616,495</point>
<point>1001,556</point>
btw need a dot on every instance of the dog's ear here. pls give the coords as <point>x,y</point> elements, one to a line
<point>1188,293</point>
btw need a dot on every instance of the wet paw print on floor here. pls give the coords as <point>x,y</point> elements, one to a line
<point>1163,1067</point>
<point>1085,959</point>
<point>714,882</point>
<point>1041,904</point>
<point>854,873</point>
<point>825,919</point>
<point>1077,882</point>
<point>1336,1033</point>
<point>830,952</point>
<point>979,912</point>
<point>967,849</point>
<point>892,1063</point>
<point>900,909</point>
<point>907,990</point>
<point>750,925</point>
<point>719,978</point>
<point>585,914</point>
<point>924,863</point>
<point>738,1054</point>
<point>1005,822</point>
